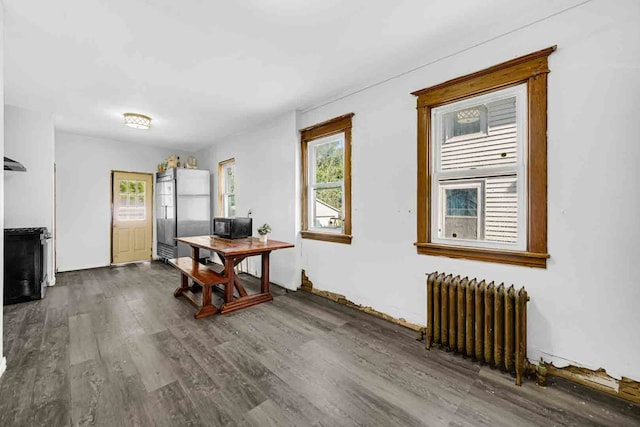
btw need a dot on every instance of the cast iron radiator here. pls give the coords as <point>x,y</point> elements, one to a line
<point>482,321</point>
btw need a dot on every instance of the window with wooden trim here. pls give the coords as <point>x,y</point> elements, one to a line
<point>326,180</point>
<point>482,161</point>
<point>227,188</point>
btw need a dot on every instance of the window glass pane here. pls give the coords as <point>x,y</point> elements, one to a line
<point>485,135</point>
<point>461,213</point>
<point>462,202</point>
<point>489,215</point>
<point>231,205</point>
<point>327,209</point>
<point>229,180</point>
<point>329,158</point>
<point>501,212</point>
<point>132,201</point>
<point>467,121</point>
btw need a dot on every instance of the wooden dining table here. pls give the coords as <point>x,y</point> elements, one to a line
<point>231,253</point>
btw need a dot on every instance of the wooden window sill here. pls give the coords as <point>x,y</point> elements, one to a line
<point>528,259</point>
<point>327,237</point>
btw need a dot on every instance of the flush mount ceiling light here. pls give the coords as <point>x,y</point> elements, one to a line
<point>137,121</point>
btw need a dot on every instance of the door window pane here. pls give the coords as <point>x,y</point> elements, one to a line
<point>131,206</point>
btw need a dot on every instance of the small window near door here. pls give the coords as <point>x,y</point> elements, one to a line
<point>226,188</point>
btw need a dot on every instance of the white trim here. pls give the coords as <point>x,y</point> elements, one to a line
<point>3,365</point>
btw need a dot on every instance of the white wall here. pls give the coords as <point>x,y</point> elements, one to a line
<point>265,162</point>
<point>83,186</point>
<point>3,360</point>
<point>28,196</point>
<point>583,307</point>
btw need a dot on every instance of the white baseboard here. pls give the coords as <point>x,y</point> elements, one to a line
<point>3,365</point>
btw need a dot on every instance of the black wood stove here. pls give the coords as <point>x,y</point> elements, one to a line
<point>25,264</point>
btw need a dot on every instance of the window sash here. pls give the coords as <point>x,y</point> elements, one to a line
<point>438,120</point>
<point>313,213</point>
<point>226,170</point>
<point>313,185</point>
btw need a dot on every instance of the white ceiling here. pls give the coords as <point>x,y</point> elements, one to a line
<point>206,69</point>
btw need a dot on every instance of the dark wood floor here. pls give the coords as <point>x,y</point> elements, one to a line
<point>112,347</point>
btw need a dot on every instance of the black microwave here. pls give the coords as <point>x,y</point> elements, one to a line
<point>232,228</point>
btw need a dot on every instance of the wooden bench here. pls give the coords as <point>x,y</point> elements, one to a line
<point>201,275</point>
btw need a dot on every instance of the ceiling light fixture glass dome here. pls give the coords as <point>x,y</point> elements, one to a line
<point>137,121</point>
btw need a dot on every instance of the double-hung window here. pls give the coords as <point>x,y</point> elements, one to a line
<point>226,188</point>
<point>478,171</point>
<point>482,161</point>
<point>326,198</point>
<point>326,183</point>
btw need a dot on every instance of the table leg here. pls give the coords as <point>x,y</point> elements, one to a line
<point>184,285</point>
<point>195,253</point>
<point>264,280</point>
<point>241,290</point>
<point>236,282</point>
<point>207,309</point>
<point>231,277</point>
<point>244,301</point>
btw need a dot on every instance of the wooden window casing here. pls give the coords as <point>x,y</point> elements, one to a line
<point>334,126</point>
<point>531,69</point>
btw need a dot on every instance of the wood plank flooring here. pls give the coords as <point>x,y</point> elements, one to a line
<point>113,347</point>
